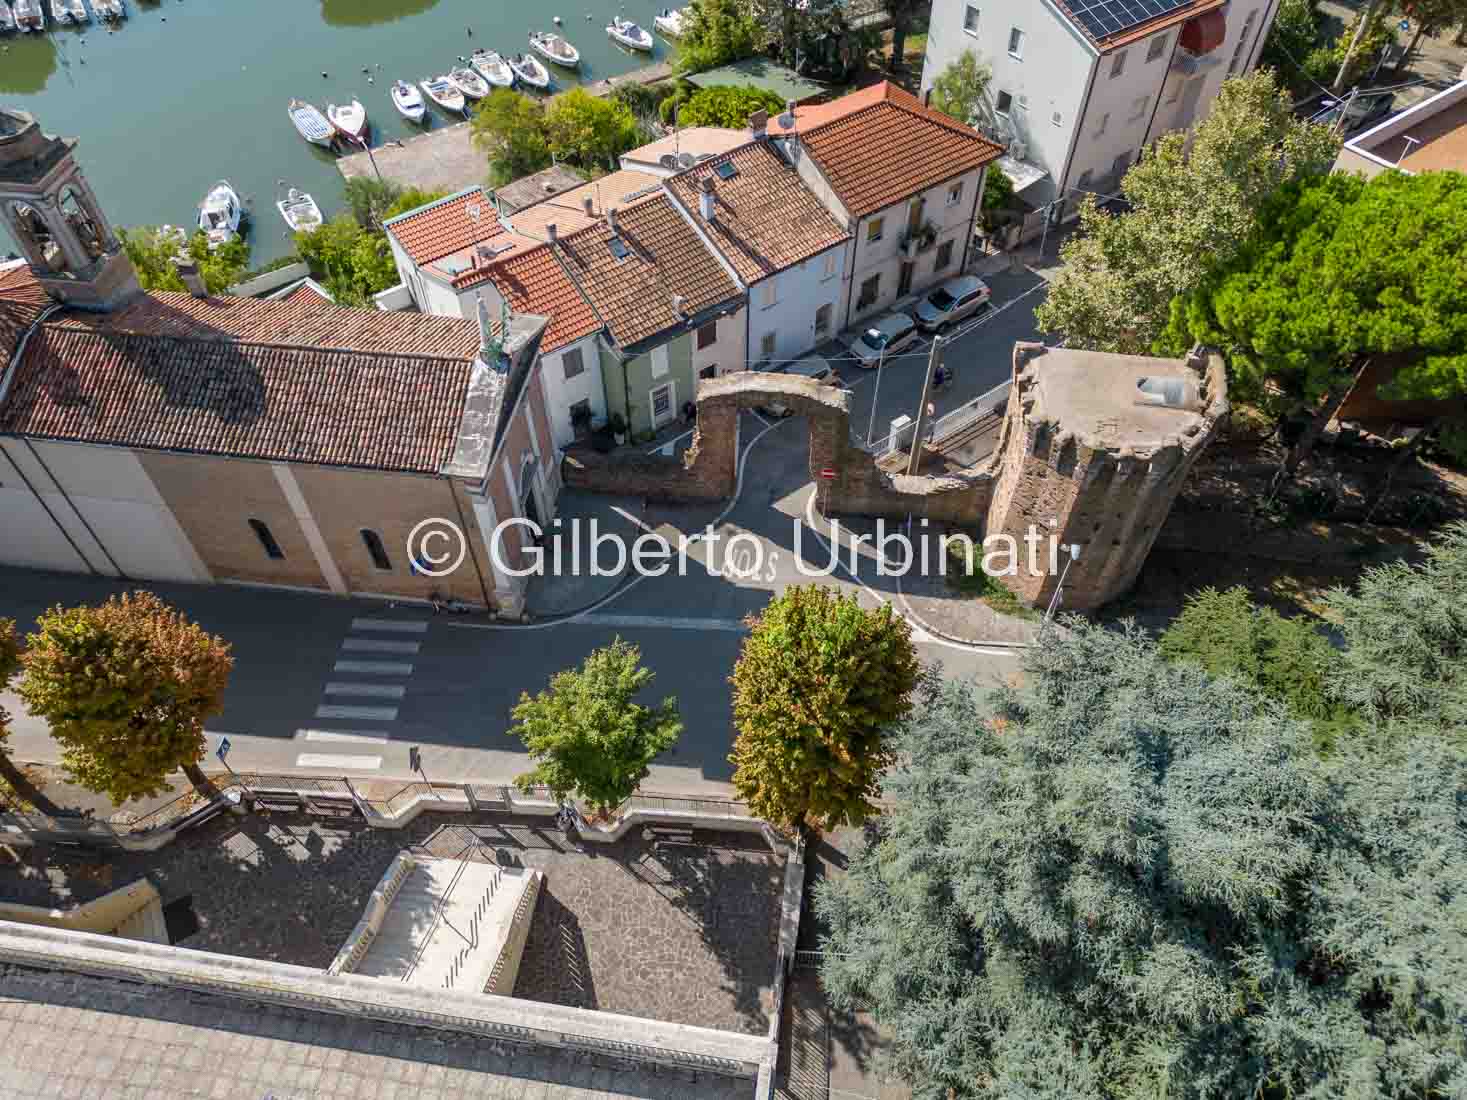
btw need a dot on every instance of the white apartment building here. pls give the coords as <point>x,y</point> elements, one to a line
<point>1080,87</point>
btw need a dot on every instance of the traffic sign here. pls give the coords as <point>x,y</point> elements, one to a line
<point>828,473</point>
<point>223,750</point>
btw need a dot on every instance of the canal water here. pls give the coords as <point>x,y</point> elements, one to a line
<point>187,92</point>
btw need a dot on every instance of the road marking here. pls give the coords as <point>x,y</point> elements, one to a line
<point>373,645</point>
<point>330,760</point>
<point>360,714</point>
<point>384,668</point>
<point>354,737</point>
<point>376,691</point>
<point>671,622</point>
<point>398,626</point>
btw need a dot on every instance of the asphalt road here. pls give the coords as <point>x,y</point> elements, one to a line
<point>330,686</point>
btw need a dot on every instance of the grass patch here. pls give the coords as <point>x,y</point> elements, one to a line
<point>965,573</point>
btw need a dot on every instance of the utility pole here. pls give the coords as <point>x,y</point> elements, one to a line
<point>914,460</point>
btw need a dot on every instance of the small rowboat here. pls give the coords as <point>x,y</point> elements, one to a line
<point>29,15</point>
<point>441,91</point>
<point>109,11</point>
<point>469,82</point>
<point>408,101</point>
<point>7,20</point>
<point>70,11</point>
<point>350,120</point>
<point>311,124</point>
<point>530,71</point>
<point>629,34</point>
<point>220,214</point>
<point>493,68</point>
<point>299,211</point>
<point>556,48</point>
<point>670,22</point>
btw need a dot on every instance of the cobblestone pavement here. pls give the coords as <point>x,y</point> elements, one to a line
<point>71,1035</point>
<point>686,934</point>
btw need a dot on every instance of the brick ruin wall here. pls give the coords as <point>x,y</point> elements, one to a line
<point>1110,500</point>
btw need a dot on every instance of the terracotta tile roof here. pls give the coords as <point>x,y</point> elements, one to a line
<point>534,282</point>
<point>879,145</point>
<point>766,218</point>
<point>308,290</point>
<point>664,257</point>
<point>280,380</point>
<point>21,301</point>
<point>445,227</point>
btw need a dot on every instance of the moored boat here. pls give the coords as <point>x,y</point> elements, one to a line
<point>442,91</point>
<point>29,15</point>
<point>529,71</point>
<point>556,48</point>
<point>493,68</point>
<point>7,18</point>
<point>469,82</point>
<point>299,211</point>
<point>628,34</point>
<point>350,119</point>
<point>670,22</point>
<point>408,101</point>
<point>70,11</point>
<point>311,124</point>
<point>109,11</point>
<point>220,214</point>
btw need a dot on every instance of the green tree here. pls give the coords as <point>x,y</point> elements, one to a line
<point>998,193</point>
<point>1340,273</point>
<point>960,91</point>
<point>510,128</point>
<point>10,775</point>
<point>1291,39</point>
<point>1429,17</point>
<point>587,734</point>
<point>1127,880</point>
<point>716,32</point>
<point>727,105</point>
<point>154,252</point>
<point>351,262</point>
<point>816,685</point>
<point>126,688</point>
<point>1189,210</point>
<point>1287,660</point>
<point>374,201</point>
<point>590,130</point>
<point>1404,663</point>
<point>906,16</point>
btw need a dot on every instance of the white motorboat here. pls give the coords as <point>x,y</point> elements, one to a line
<point>529,71</point>
<point>7,18</point>
<point>493,68</point>
<point>220,214</point>
<point>442,91</point>
<point>469,82</point>
<point>629,34</point>
<point>311,124</point>
<point>299,211</point>
<point>29,15</point>
<point>408,101</point>
<point>670,22</point>
<point>70,11</point>
<point>555,48</point>
<point>350,120</point>
<point>109,11</point>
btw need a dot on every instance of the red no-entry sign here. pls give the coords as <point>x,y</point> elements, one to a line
<point>828,473</point>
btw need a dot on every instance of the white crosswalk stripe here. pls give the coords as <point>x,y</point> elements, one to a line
<point>368,714</point>
<point>380,668</point>
<point>346,737</point>
<point>376,645</point>
<point>338,763</point>
<point>396,626</point>
<point>374,691</point>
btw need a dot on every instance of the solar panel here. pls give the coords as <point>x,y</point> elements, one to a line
<point>726,170</point>
<point>1103,18</point>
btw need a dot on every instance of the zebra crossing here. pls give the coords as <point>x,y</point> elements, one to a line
<point>374,654</point>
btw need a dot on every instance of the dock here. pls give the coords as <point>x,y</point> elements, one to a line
<point>445,159</point>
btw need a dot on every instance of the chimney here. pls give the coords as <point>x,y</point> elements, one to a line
<point>757,122</point>
<point>678,302</point>
<point>550,231</point>
<point>589,202</point>
<point>611,220</point>
<point>707,201</point>
<point>927,98</point>
<point>188,271</point>
<point>487,343</point>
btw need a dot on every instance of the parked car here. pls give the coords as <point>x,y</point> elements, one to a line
<point>886,336</point>
<point>814,368</point>
<point>1365,110</point>
<point>952,301</point>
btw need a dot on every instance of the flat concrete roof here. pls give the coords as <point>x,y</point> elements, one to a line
<point>1429,137</point>
<point>696,141</point>
<point>1097,396</point>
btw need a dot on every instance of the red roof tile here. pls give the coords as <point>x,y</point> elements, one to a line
<point>766,219</point>
<point>880,145</point>
<point>534,282</point>
<point>307,291</point>
<point>280,380</point>
<point>21,301</point>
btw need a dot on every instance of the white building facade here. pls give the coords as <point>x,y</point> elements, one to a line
<point>1080,89</point>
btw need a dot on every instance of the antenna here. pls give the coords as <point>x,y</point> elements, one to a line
<point>1406,152</point>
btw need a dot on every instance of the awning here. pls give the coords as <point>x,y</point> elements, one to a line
<point>1021,173</point>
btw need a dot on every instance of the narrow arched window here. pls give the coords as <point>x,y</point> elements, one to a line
<point>373,542</point>
<point>267,540</point>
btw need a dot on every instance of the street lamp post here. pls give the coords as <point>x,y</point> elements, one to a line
<point>871,428</point>
<point>1058,590</point>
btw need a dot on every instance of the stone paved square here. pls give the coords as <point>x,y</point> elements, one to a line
<point>686,933</point>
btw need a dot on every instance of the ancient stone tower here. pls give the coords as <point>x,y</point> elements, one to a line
<point>1093,451</point>
<point>50,210</point>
